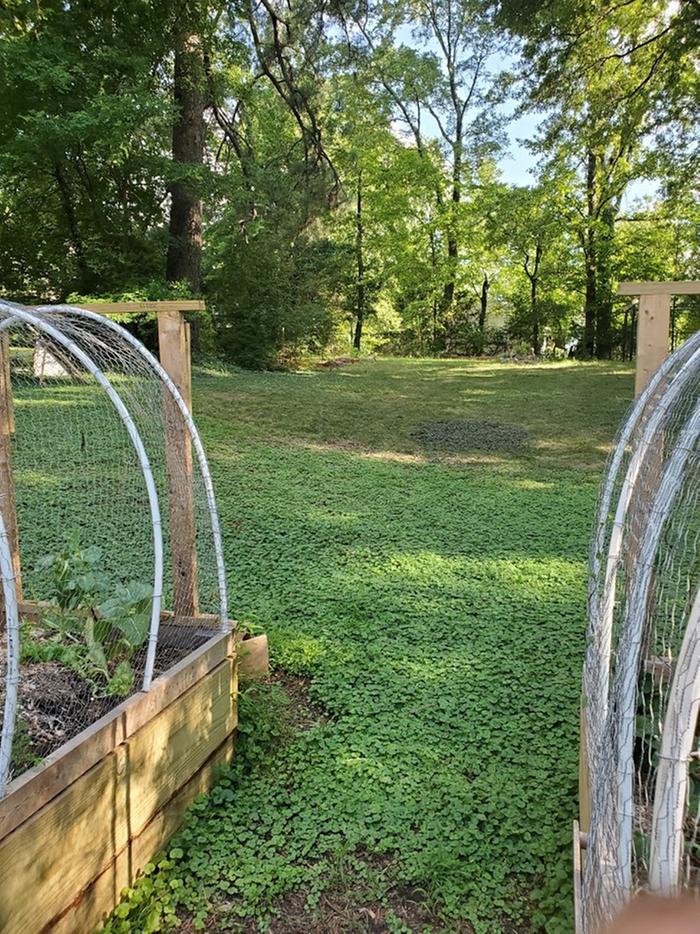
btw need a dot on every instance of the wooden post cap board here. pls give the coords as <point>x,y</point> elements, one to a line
<point>681,287</point>
<point>139,308</point>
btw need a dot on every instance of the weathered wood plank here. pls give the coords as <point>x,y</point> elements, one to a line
<point>168,750</point>
<point>578,893</point>
<point>253,656</point>
<point>173,349</point>
<point>51,859</point>
<point>138,308</point>
<point>682,287</point>
<point>32,609</point>
<point>179,679</point>
<point>34,788</point>
<point>584,790</point>
<point>101,896</point>
<point>39,785</point>
<point>653,325</point>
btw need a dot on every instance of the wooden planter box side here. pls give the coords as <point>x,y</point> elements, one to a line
<point>64,867</point>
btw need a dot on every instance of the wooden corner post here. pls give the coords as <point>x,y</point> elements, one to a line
<point>7,487</point>
<point>653,323</point>
<point>174,349</point>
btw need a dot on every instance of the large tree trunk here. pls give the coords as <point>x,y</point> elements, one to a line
<point>534,277</point>
<point>452,241</point>
<point>86,281</point>
<point>185,244</point>
<point>484,302</point>
<point>589,251</point>
<point>360,267</point>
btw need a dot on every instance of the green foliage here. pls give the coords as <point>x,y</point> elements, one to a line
<point>438,606</point>
<point>351,169</point>
<point>94,627</point>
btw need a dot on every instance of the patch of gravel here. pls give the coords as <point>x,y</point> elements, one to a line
<point>463,436</point>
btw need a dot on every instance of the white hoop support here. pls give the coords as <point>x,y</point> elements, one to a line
<point>603,619</point>
<point>631,638</point>
<point>157,367</point>
<point>13,649</point>
<point>39,322</point>
<point>677,739</point>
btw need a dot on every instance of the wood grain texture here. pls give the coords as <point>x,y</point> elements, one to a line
<point>653,326</point>
<point>50,861</point>
<point>682,287</point>
<point>100,897</point>
<point>138,308</point>
<point>47,862</point>
<point>174,351</point>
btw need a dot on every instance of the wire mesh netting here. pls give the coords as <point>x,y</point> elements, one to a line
<point>114,519</point>
<point>641,682</point>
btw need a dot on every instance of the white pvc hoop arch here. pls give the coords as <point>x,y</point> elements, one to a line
<point>631,644</point>
<point>686,349</point>
<point>157,367</point>
<point>603,612</point>
<point>677,738</point>
<point>41,324</point>
<point>7,573</point>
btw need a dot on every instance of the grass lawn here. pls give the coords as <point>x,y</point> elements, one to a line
<point>433,605</point>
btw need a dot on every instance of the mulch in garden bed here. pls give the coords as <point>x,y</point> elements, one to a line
<point>56,703</point>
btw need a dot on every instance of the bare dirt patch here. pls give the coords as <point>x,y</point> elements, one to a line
<point>464,436</point>
<point>335,362</point>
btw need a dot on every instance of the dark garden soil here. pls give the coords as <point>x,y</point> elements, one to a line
<point>464,436</point>
<point>56,703</point>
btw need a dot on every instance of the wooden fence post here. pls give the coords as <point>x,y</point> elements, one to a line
<point>652,337</point>
<point>7,486</point>
<point>653,323</point>
<point>174,349</point>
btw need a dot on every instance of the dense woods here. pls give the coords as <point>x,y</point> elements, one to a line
<point>331,175</point>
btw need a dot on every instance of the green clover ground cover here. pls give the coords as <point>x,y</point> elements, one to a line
<point>436,602</point>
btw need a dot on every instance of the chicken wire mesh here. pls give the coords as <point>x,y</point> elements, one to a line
<point>122,569</point>
<point>641,675</point>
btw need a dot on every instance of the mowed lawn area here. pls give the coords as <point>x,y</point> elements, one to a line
<point>413,767</point>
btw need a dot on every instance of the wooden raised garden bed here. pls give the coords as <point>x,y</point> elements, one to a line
<point>76,829</point>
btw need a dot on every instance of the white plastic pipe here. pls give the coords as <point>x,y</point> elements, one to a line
<point>12,671</point>
<point>677,741</point>
<point>41,324</point>
<point>633,629</point>
<point>602,642</point>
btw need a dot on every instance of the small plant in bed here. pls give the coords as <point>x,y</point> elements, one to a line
<point>91,626</point>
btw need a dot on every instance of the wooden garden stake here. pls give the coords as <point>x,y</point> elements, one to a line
<point>652,337</point>
<point>174,348</point>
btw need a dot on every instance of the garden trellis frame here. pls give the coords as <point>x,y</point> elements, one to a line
<point>639,824</point>
<point>62,325</point>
